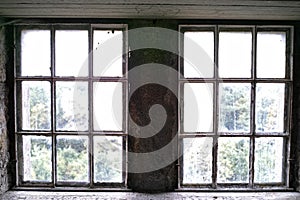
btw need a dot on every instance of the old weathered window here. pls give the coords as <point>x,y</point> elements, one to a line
<point>236,105</point>
<point>70,86</point>
<point>71,99</point>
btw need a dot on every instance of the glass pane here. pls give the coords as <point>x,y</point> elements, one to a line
<point>198,107</point>
<point>107,53</point>
<point>271,58</point>
<point>234,107</point>
<point>72,106</point>
<point>72,158</point>
<point>235,54</point>
<point>197,160</point>
<point>108,108</point>
<point>268,160</point>
<point>71,53</point>
<point>198,54</point>
<point>108,159</point>
<point>36,108</point>
<point>35,53</point>
<point>269,107</point>
<point>233,160</point>
<point>37,158</point>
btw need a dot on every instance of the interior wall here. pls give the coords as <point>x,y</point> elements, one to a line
<point>295,140</point>
<point>152,91</point>
<point>4,144</point>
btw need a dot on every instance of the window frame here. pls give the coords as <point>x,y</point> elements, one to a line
<point>195,27</point>
<point>253,80</point>
<point>90,79</point>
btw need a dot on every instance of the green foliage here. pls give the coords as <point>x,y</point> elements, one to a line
<point>235,108</point>
<point>72,160</point>
<point>266,114</point>
<point>41,164</point>
<point>72,154</point>
<point>266,161</point>
<point>197,160</point>
<point>108,160</point>
<point>233,160</point>
<point>39,108</point>
<point>76,119</point>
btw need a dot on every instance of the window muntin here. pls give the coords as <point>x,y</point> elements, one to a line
<point>57,99</point>
<point>251,119</point>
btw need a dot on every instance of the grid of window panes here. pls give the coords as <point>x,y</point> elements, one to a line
<point>70,98</point>
<point>235,87</point>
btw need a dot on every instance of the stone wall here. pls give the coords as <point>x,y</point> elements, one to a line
<point>4,155</point>
<point>295,153</point>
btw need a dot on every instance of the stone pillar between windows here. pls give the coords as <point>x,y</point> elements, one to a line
<point>142,98</point>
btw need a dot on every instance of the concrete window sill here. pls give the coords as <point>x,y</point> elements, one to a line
<point>34,195</point>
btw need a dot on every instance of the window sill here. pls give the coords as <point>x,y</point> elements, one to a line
<point>26,195</point>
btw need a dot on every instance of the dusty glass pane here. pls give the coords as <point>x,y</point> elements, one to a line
<point>233,160</point>
<point>37,158</point>
<point>35,53</point>
<point>197,160</point>
<point>198,107</point>
<point>36,109</point>
<point>71,53</point>
<point>271,54</point>
<point>235,51</point>
<point>108,108</point>
<point>72,158</point>
<point>107,53</point>
<point>108,159</point>
<point>199,54</point>
<point>269,109</point>
<point>71,106</point>
<point>234,107</point>
<point>268,160</point>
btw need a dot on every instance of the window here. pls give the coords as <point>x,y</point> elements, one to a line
<point>71,105</point>
<point>236,105</point>
<point>72,94</point>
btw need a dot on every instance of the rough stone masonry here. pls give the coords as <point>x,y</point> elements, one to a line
<point>4,155</point>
